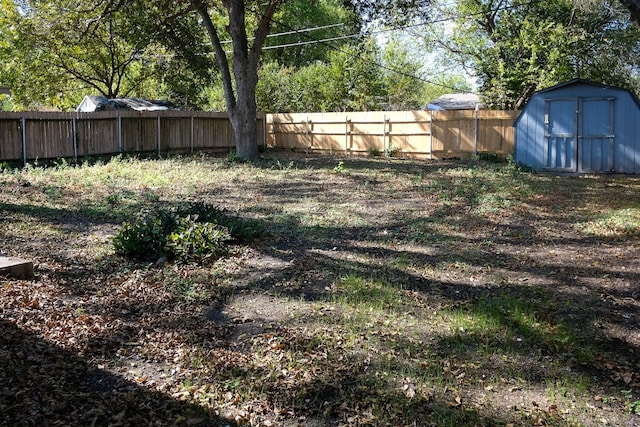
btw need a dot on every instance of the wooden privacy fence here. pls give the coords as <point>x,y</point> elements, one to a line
<point>431,134</point>
<point>36,135</point>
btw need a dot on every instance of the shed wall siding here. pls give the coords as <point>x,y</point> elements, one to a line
<point>530,134</point>
<point>627,156</point>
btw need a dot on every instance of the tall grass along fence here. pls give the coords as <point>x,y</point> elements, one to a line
<point>35,135</point>
<point>430,134</point>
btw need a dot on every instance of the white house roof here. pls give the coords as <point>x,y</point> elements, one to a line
<point>100,103</point>
<point>456,101</point>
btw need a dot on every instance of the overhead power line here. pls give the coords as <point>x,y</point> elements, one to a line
<point>339,49</point>
<point>377,32</point>
<point>303,30</point>
<point>310,42</point>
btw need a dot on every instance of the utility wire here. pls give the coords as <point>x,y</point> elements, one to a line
<point>339,49</point>
<point>325,42</point>
<point>303,30</point>
<point>310,42</point>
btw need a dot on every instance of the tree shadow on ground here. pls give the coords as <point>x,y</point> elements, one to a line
<point>379,164</point>
<point>564,309</point>
<point>42,384</point>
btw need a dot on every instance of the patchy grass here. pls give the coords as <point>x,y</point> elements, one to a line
<point>383,292</point>
<point>616,223</point>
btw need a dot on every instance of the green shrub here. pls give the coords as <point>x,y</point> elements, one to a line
<point>490,157</point>
<point>197,241</point>
<point>233,158</point>
<point>240,230</point>
<point>187,232</point>
<point>145,237</point>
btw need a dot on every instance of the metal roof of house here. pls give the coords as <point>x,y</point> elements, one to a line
<point>100,103</point>
<point>455,101</point>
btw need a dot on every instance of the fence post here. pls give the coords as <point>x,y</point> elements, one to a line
<point>475,131</point>
<point>23,125</point>
<point>306,134</point>
<point>264,130</point>
<point>273,131</point>
<point>346,135</point>
<point>384,134</point>
<point>191,143</point>
<point>431,113</point>
<point>119,130</point>
<point>74,131</point>
<point>158,129</point>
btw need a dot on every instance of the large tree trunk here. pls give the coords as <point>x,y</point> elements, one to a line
<point>242,107</point>
<point>243,115</point>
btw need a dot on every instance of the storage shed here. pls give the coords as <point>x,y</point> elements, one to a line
<point>580,126</point>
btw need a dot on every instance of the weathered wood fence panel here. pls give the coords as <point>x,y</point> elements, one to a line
<point>176,134</point>
<point>36,135</point>
<point>54,139</point>
<point>97,135</point>
<point>410,133</point>
<point>10,139</point>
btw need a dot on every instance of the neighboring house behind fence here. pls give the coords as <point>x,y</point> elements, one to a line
<point>91,104</point>
<point>456,101</point>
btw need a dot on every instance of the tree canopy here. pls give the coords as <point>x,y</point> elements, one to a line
<point>304,55</point>
<point>55,52</point>
<point>517,47</point>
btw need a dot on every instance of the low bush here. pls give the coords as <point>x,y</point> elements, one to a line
<point>190,232</point>
<point>145,237</point>
<point>197,241</point>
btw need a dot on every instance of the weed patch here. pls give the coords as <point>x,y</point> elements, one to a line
<point>192,232</point>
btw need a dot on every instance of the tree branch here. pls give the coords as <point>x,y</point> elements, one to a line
<point>262,31</point>
<point>221,56</point>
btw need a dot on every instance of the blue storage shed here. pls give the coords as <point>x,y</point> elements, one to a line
<point>580,126</point>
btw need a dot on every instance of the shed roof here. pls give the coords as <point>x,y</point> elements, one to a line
<point>573,82</point>
<point>578,81</point>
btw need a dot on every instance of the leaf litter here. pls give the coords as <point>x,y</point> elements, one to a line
<point>466,314</point>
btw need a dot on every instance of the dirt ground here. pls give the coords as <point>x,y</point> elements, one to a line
<point>506,298</point>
